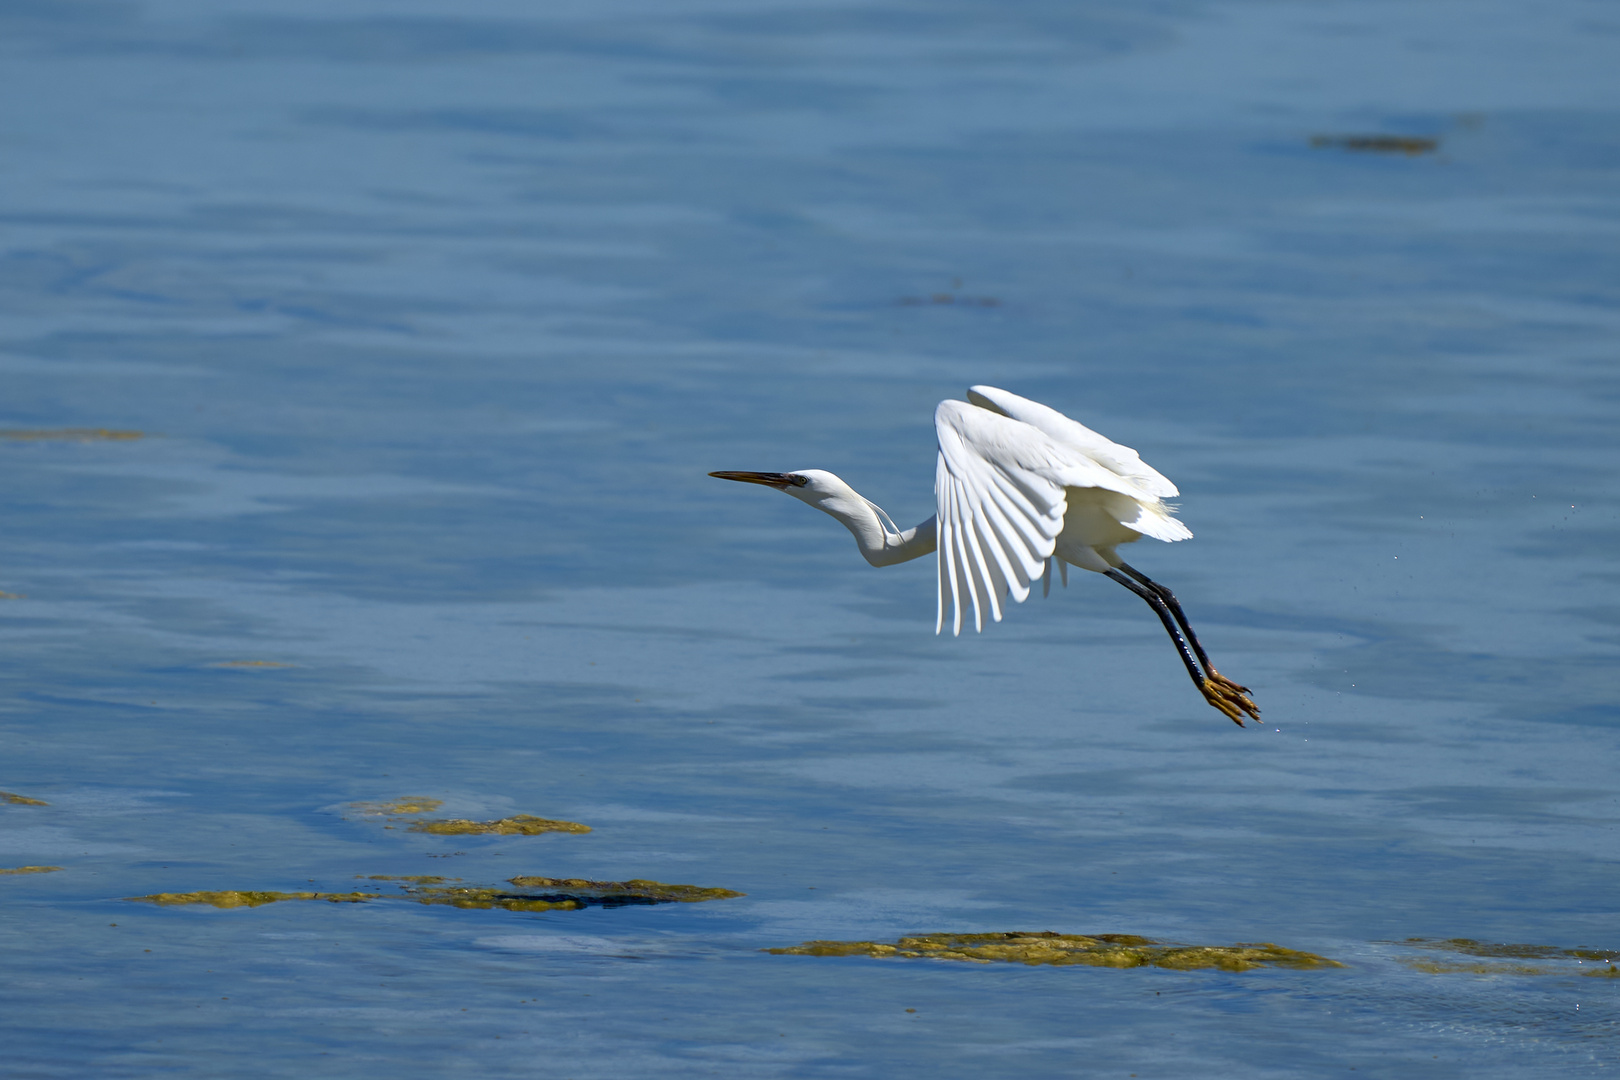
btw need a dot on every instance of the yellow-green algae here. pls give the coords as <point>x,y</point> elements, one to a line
<point>636,890</point>
<point>29,869</point>
<point>1061,950</point>
<point>21,800</point>
<point>485,899</point>
<point>1461,967</point>
<point>1470,947</point>
<point>569,894</point>
<point>1410,145</point>
<point>410,804</point>
<point>11,596</point>
<point>1494,955</point>
<point>555,894</point>
<point>516,825</point>
<point>72,434</point>
<point>239,898</point>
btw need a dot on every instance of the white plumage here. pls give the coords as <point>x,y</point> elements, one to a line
<point>1022,490</point>
<point>1008,471</point>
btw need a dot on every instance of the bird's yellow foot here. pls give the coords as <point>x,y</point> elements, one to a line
<point>1233,700</point>
<point>1221,680</point>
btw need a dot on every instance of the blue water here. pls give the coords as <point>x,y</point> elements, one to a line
<point>434,317</point>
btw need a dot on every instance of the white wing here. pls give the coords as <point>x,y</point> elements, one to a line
<point>1146,485</point>
<point>1120,460</point>
<point>1000,486</point>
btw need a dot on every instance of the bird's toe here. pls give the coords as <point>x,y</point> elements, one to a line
<point>1221,680</point>
<point>1232,700</point>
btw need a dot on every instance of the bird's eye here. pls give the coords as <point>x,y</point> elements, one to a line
<point>798,481</point>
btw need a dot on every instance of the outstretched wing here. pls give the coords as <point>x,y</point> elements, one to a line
<point>1121,460</point>
<point>999,485</point>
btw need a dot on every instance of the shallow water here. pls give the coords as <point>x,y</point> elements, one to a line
<point>434,317</point>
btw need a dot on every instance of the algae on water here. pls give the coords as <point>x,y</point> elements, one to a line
<point>516,825</point>
<point>240,898</point>
<point>1495,959</point>
<point>566,894</point>
<point>21,800</point>
<point>529,894</point>
<point>1061,950</point>
<point>29,869</point>
<point>487,898</point>
<point>1410,145</point>
<point>1470,947</point>
<point>410,804</point>
<point>636,890</point>
<point>1463,967</point>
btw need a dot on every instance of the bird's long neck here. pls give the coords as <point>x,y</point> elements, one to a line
<point>888,548</point>
<point>882,543</point>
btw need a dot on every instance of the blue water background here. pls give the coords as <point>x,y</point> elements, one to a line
<point>435,316</point>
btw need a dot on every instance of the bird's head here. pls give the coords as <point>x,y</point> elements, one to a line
<point>781,481</point>
<point>819,488</point>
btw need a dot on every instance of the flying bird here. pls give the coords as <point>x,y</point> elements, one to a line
<point>1021,491</point>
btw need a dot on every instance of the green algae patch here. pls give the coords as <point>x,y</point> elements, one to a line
<point>410,804</point>
<point>1462,967</point>
<point>29,869</point>
<point>1470,947</point>
<point>11,596</point>
<point>1492,958</point>
<point>569,894</point>
<point>1065,950</point>
<point>70,434</point>
<point>20,800</point>
<point>530,894</point>
<point>1410,145</point>
<point>516,825</point>
<point>233,898</point>
<point>634,891</point>
<point>486,899</point>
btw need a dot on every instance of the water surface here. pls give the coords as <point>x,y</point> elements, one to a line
<point>435,316</point>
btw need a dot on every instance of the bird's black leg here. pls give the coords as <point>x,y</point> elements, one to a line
<point>1221,692</point>
<point>1158,605</point>
<point>1174,605</point>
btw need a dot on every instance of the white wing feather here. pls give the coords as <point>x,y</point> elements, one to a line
<point>1121,460</point>
<point>999,485</point>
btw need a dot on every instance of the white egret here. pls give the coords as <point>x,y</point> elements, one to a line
<point>1022,489</point>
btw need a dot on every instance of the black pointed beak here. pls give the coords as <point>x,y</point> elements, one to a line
<point>778,480</point>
